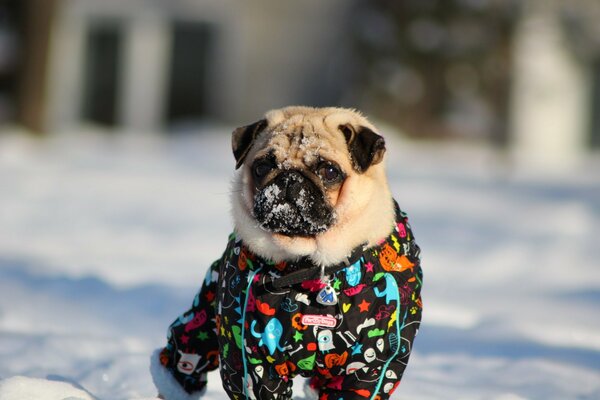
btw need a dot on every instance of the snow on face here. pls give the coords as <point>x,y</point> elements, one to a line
<point>291,204</point>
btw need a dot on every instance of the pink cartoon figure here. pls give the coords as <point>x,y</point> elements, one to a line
<point>196,322</point>
<point>401,230</point>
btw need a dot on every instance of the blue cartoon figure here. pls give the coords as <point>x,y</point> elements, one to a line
<point>391,291</point>
<point>353,273</point>
<point>271,336</point>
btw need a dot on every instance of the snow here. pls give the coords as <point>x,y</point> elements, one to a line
<point>104,240</point>
<point>22,388</point>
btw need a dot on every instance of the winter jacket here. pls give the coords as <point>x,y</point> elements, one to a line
<point>262,324</point>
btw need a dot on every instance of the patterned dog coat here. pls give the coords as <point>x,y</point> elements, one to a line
<point>265,323</point>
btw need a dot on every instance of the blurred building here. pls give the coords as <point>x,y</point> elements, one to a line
<point>147,65</point>
<point>522,74</point>
<point>555,99</point>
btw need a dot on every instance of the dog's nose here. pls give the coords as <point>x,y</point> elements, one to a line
<point>294,185</point>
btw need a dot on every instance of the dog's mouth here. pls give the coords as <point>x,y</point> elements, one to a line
<point>292,205</point>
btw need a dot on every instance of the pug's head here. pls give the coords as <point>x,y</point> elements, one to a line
<point>310,182</point>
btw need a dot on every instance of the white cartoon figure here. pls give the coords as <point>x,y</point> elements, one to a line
<point>325,339</point>
<point>188,362</point>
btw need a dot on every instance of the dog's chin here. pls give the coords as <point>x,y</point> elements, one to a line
<point>295,246</point>
<point>294,234</point>
<point>321,249</point>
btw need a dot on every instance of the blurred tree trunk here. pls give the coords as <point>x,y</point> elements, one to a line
<point>38,19</point>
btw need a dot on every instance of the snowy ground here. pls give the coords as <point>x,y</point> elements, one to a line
<point>104,240</point>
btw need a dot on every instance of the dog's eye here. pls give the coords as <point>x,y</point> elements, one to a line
<point>262,167</point>
<point>330,173</point>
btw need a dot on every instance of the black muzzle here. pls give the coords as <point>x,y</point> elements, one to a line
<point>293,205</point>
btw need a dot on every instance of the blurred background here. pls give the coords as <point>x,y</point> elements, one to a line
<point>518,75</point>
<point>115,163</point>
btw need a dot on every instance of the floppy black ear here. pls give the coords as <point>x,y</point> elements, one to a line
<point>242,139</point>
<point>365,146</point>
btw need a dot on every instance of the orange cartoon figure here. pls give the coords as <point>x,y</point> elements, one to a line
<point>285,368</point>
<point>392,261</point>
<point>243,259</point>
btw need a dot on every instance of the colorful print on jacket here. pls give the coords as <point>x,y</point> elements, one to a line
<point>264,327</point>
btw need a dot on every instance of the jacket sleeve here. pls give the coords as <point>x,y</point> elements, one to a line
<point>179,369</point>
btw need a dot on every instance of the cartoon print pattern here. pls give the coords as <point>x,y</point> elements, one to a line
<point>356,349</point>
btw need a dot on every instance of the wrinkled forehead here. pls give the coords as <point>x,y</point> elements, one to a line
<point>302,140</point>
<point>305,140</point>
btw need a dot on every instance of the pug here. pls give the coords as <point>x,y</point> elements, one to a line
<point>321,277</point>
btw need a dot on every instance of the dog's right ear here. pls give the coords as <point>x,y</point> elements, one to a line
<point>243,138</point>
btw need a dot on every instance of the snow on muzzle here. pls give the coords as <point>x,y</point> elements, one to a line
<point>292,205</point>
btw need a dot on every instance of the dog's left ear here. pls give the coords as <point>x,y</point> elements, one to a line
<point>365,146</point>
<point>242,139</point>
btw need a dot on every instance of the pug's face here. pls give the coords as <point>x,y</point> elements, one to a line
<point>310,182</point>
<point>293,201</point>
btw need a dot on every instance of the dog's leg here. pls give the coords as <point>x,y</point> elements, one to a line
<point>192,347</point>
